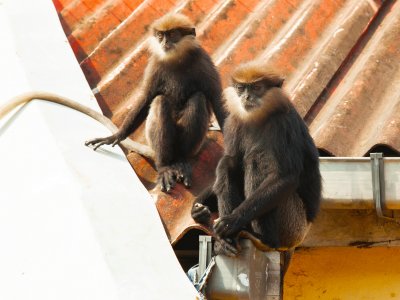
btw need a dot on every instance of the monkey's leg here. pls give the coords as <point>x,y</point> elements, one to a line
<point>228,185</point>
<point>192,126</point>
<point>229,189</point>
<point>161,135</point>
<point>286,226</point>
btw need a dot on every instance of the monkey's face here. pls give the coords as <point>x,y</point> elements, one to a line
<point>251,94</point>
<point>255,92</point>
<point>169,41</point>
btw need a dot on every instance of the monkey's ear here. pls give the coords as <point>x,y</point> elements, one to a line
<point>279,82</point>
<point>194,31</point>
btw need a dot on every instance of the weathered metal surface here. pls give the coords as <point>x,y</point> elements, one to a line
<point>361,228</point>
<point>340,59</point>
<point>347,183</point>
<point>253,275</point>
<point>363,109</point>
<point>344,273</point>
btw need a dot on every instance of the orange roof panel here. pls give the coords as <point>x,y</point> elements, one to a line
<point>340,58</point>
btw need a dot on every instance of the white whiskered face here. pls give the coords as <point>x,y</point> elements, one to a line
<point>234,103</point>
<point>156,48</point>
<point>177,50</point>
<point>253,108</point>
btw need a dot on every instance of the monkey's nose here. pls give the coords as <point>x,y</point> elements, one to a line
<point>167,47</point>
<point>247,99</point>
<point>246,96</point>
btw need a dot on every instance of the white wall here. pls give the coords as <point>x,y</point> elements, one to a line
<point>74,223</point>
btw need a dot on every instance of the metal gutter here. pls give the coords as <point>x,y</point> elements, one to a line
<point>347,183</point>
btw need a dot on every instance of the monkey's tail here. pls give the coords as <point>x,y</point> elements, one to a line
<point>39,95</point>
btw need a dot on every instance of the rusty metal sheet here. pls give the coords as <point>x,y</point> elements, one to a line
<point>340,59</point>
<point>362,110</point>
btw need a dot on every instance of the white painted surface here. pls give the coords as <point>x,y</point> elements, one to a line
<point>74,224</point>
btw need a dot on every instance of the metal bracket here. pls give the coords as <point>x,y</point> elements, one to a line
<point>378,182</point>
<point>378,186</point>
<point>205,247</point>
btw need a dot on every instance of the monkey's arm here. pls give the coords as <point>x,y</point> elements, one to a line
<point>201,211</point>
<point>207,201</point>
<point>212,89</point>
<point>126,127</point>
<point>27,97</point>
<point>219,111</point>
<point>265,198</point>
<point>228,171</point>
<point>147,94</point>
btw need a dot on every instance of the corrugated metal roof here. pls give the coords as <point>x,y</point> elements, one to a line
<point>340,58</point>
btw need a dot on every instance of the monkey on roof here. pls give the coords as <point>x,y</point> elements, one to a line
<point>181,87</point>
<point>268,181</point>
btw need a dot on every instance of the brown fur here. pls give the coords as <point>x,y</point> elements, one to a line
<point>268,179</point>
<point>179,86</point>
<point>171,21</point>
<point>255,71</point>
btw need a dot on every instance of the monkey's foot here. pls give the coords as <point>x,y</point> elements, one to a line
<point>201,213</point>
<point>183,171</point>
<point>226,247</point>
<point>167,177</point>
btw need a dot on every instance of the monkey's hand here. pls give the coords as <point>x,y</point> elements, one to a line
<point>96,143</point>
<point>201,213</point>
<point>228,225</point>
<point>226,247</point>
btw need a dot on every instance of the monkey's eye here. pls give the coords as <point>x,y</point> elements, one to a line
<point>258,88</point>
<point>159,35</point>
<point>239,88</point>
<point>174,36</point>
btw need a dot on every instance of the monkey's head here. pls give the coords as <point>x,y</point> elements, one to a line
<point>172,36</point>
<point>255,92</point>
